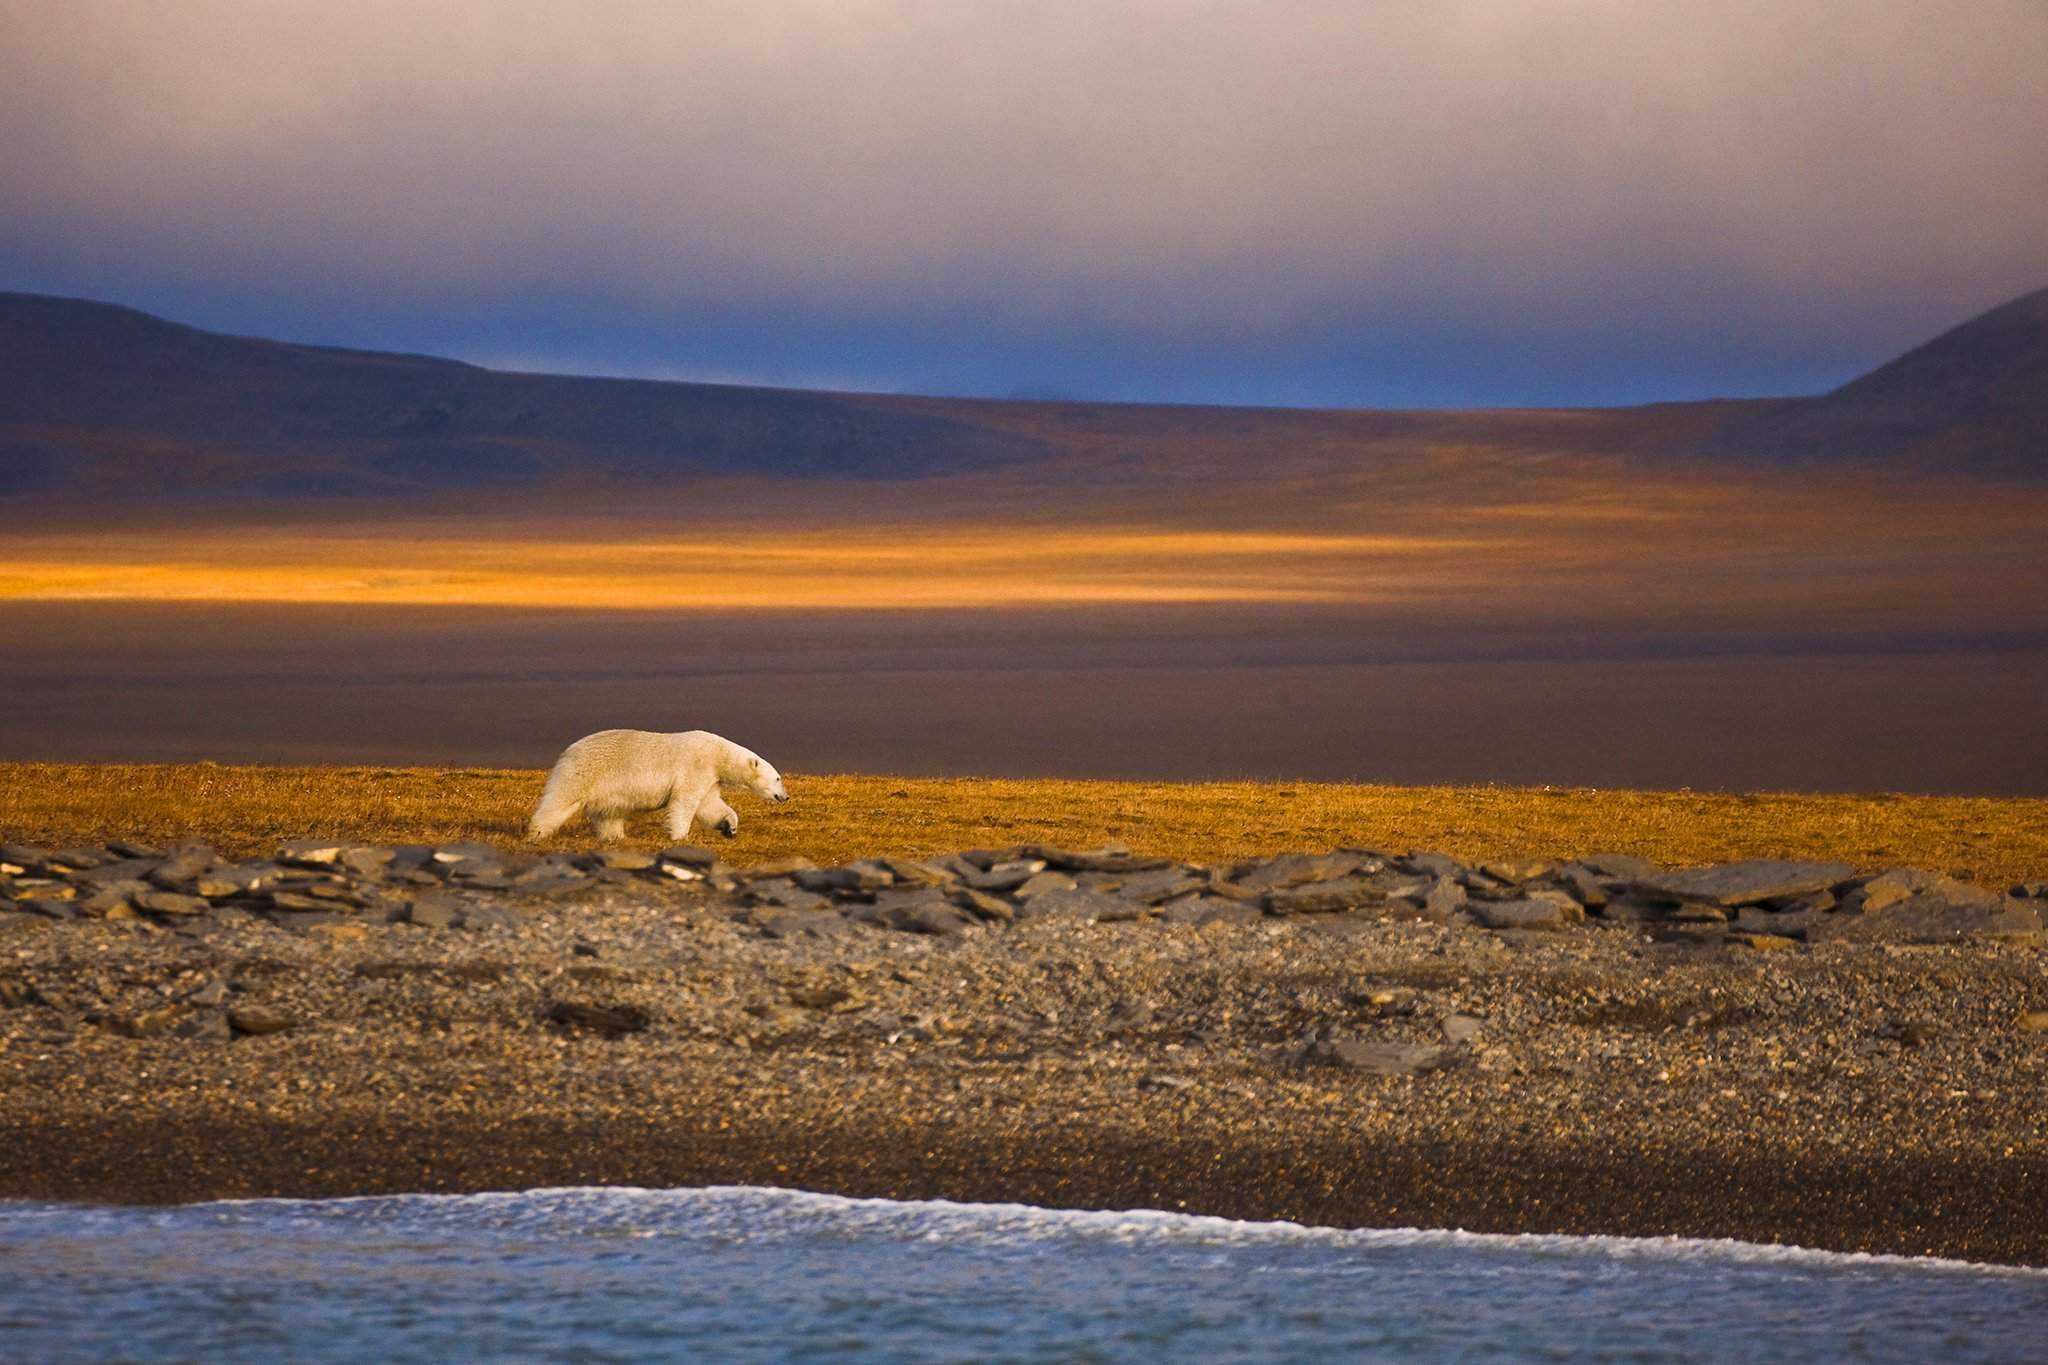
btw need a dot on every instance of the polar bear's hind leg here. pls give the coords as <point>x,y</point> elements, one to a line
<point>554,811</point>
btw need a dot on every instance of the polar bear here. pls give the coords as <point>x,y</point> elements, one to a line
<point>615,773</point>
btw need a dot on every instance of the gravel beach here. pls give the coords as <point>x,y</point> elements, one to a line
<point>1809,1053</point>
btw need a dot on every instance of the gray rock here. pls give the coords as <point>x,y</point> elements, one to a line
<point>1622,867</point>
<point>1322,898</point>
<point>257,1020</point>
<point>1005,876</point>
<point>981,903</point>
<point>435,912</point>
<point>1203,909</point>
<point>1108,858</point>
<point>784,894</point>
<point>1376,1058</point>
<point>1518,871</point>
<point>115,870</point>
<point>606,1020</point>
<point>1886,889</point>
<point>49,907</point>
<point>129,848</point>
<point>622,859</point>
<point>1519,914</point>
<point>909,872</point>
<point>1745,883</point>
<point>1151,888</point>
<point>180,870</point>
<point>852,878</point>
<point>1583,886</point>
<point>930,917</point>
<point>171,903</point>
<point>2030,890</point>
<point>204,1026</point>
<point>1042,883</point>
<point>365,860</point>
<point>1295,869</point>
<point>494,917</point>
<point>1445,898</point>
<point>803,924</point>
<point>1944,911</point>
<point>1431,864</point>
<point>79,859</point>
<point>111,898</point>
<point>449,854</point>
<point>690,856</point>
<point>776,867</point>
<point>1460,1030</point>
<point>1166,1082</point>
<point>1084,906</point>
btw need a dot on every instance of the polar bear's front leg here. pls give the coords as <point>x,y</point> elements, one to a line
<point>685,802</point>
<point>713,813</point>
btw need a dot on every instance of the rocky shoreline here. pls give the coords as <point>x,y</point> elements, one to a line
<point>1780,1051</point>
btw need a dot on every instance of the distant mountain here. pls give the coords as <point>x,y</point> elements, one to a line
<point>95,394</point>
<point>1974,399</point>
<point>103,403</point>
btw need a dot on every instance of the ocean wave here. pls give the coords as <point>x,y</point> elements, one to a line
<point>739,1214</point>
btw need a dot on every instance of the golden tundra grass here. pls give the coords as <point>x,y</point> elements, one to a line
<point>246,811</point>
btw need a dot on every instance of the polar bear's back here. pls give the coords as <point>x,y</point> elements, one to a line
<point>634,769</point>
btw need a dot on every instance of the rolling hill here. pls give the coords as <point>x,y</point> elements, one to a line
<point>1973,399</point>
<point>106,404</point>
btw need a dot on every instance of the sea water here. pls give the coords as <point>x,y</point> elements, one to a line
<point>766,1274</point>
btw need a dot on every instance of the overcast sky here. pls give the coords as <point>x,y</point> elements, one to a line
<point>1436,203</point>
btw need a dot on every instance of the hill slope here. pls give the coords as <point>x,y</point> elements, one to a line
<point>177,409</point>
<point>1973,399</point>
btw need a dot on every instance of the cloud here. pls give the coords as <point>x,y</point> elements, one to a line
<point>1176,195</point>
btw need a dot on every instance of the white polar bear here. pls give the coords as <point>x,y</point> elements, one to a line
<point>615,773</point>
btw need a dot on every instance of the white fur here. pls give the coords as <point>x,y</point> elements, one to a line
<point>616,773</point>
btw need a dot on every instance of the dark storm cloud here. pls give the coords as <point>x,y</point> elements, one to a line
<point>1315,202</point>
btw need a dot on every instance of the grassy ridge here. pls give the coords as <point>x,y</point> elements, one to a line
<point>833,818</point>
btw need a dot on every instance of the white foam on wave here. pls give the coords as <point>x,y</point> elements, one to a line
<point>750,1212</point>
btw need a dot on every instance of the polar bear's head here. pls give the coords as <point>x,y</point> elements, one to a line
<point>756,774</point>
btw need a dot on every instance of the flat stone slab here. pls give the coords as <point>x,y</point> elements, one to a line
<point>1295,869</point>
<point>1519,914</point>
<point>1322,898</point>
<point>1376,1058</point>
<point>1745,883</point>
